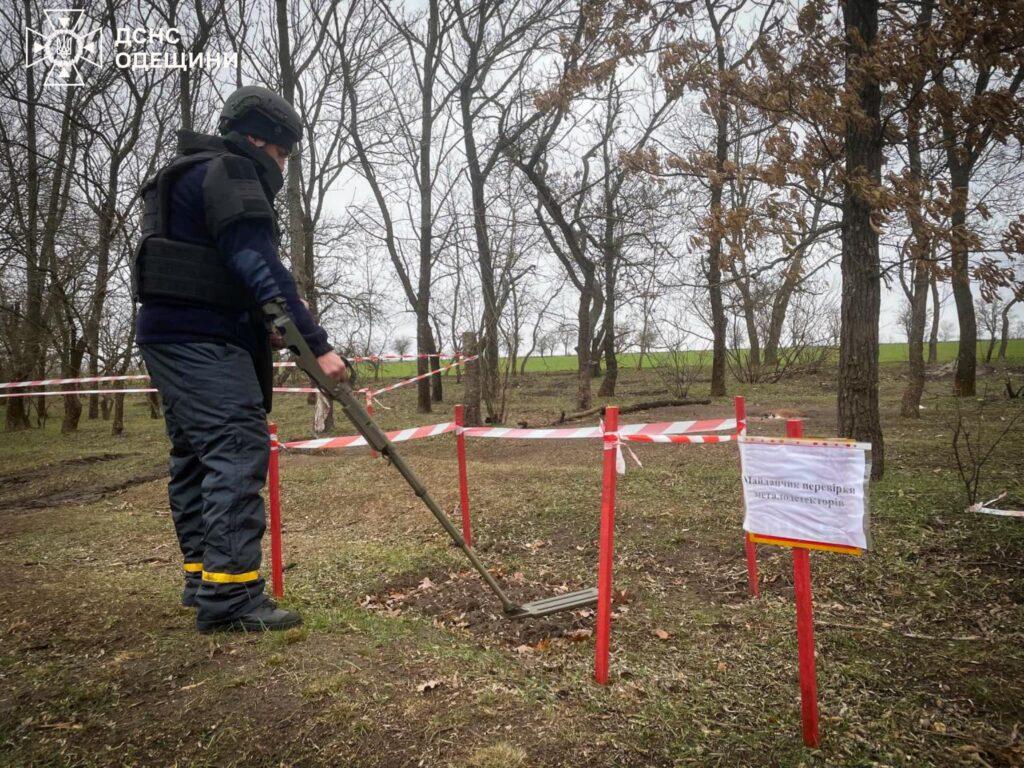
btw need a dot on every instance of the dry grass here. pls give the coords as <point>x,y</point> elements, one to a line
<point>919,643</point>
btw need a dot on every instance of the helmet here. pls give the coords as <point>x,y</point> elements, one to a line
<point>260,112</point>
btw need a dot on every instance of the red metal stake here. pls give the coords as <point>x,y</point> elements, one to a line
<point>460,443</point>
<point>805,628</point>
<point>369,410</point>
<point>752,579</point>
<point>604,559</point>
<point>274,490</point>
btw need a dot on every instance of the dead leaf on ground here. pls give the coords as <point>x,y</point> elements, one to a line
<point>579,635</point>
<point>661,634</point>
<point>428,686</point>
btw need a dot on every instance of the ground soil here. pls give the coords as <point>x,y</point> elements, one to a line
<point>405,658</point>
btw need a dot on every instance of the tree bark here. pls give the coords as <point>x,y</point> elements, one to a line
<point>26,353</point>
<point>471,395</point>
<point>485,258</point>
<point>910,406</point>
<point>117,425</point>
<point>967,351</point>
<point>611,365</point>
<point>99,295</point>
<point>72,403</point>
<point>858,348</point>
<point>933,334</point>
<point>424,335</point>
<point>584,337</point>
<point>714,271</point>
<point>1004,336</point>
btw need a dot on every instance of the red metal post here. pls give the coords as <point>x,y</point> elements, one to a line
<point>805,628</point>
<point>752,578</point>
<point>369,410</point>
<point>460,443</point>
<point>274,490</point>
<point>604,562</point>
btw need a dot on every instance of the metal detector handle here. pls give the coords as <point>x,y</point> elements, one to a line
<point>281,321</point>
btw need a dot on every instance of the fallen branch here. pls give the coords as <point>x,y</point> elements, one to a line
<point>564,417</point>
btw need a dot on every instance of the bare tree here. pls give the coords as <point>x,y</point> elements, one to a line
<point>858,349</point>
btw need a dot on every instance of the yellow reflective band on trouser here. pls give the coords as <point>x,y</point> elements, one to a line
<point>193,567</point>
<point>231,578</point>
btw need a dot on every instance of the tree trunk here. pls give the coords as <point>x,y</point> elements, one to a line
<point>611,365</point>
<point>910,406</point>
<point>424,335</point>
<point>714,272</point>
<point>583,341</point>
<point>436,382</point>
<point>1004,337</point>
<point>471,394</point>
<point>753,367</point>
<point>72,414</point>
<point>72,403</point>
<point>485,259</point>
<point>26,347</point>
<point>967,352</point>
<point>933,334</point>
<point>858,348</point>
<point>117,426</point>
<point>780,306</point>
<point>99,295</point>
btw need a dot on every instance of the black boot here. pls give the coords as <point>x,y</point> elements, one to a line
<point>188,593</point>
<point>267,617</point>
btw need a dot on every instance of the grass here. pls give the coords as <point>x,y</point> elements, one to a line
<point>919,642</point>
<point>888,353</point>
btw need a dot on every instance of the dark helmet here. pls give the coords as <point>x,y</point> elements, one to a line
<point>260,112</point>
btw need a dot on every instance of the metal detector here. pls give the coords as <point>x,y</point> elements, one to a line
<point>342,393</point>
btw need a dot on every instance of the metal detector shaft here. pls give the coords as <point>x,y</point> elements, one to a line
<point>341,392</point>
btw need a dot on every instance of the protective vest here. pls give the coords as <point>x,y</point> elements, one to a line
<point>239,185</point>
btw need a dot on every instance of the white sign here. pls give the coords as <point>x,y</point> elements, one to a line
<point>809,491</point>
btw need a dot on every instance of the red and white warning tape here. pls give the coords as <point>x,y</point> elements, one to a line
<point>983,507</point>
<point>296,390</point>
<point>396,385</point>
<point>59,392</point>
<point>377,359</point>
<point>694,439</point>
<point>353,441</point>
<point>658,432</point>
<point>654,431</point>
<point>84,380</point>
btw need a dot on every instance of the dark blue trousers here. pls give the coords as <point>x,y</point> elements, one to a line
<point>213,408</point>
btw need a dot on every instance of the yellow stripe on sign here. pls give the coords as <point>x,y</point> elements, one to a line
<point>840,548</point>
<point>230,578</point>
<point>193,567</point>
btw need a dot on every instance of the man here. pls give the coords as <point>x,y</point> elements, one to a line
<point>207,260</point>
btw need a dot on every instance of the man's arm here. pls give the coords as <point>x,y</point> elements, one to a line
<point>251,255</point>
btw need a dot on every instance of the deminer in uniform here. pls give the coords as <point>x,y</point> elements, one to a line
<point>207,260</point>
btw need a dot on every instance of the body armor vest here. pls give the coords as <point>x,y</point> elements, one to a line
<point>177,271</point>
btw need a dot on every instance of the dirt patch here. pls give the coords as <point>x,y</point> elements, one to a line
<point>81,495</point>
<point>463,601</point>
<point>21,478</point>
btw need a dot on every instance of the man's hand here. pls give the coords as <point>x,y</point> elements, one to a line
<point>276,340</point>
<point>334,366</point>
